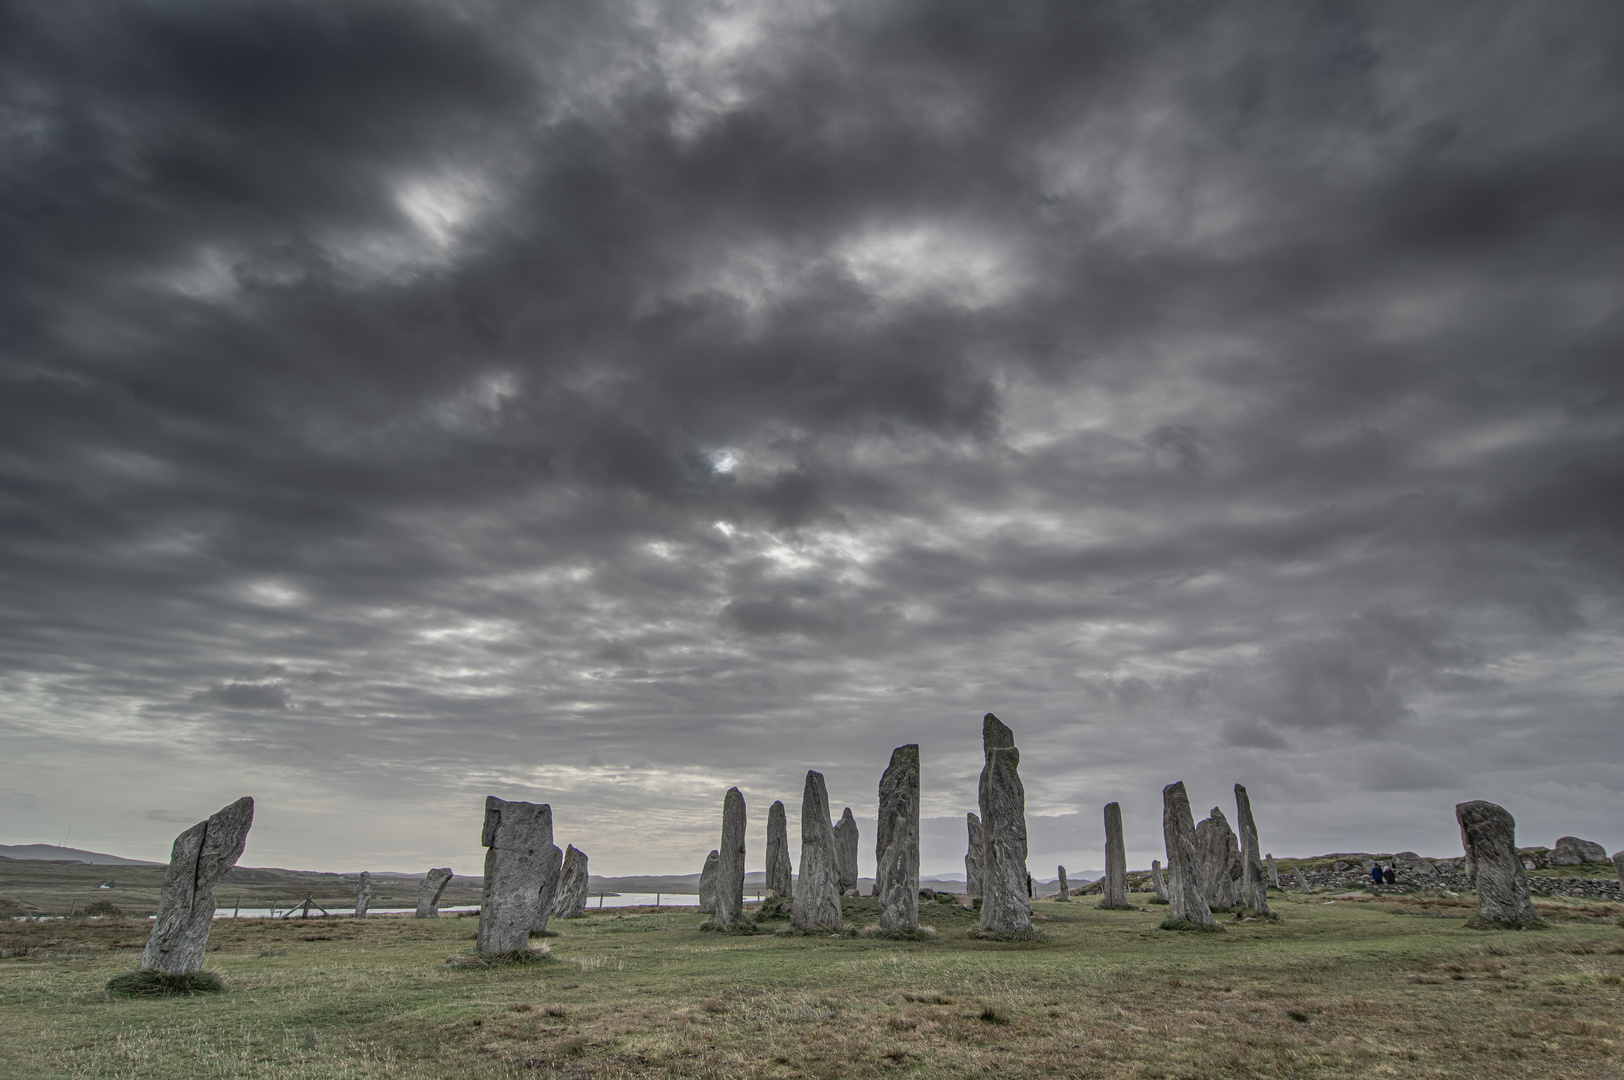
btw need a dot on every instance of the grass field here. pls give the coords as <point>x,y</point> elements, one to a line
<point>1389,987</point>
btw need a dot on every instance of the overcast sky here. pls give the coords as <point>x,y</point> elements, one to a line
<point>605,403</point>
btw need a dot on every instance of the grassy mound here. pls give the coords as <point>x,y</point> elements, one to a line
<point>917,933</point>
<point>147,983</point>
<point>1171,923</point>
<point>745,925</point>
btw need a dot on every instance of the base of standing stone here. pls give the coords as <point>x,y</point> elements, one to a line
<point>1103,906</point>
<point>1171,923</point>
<point>1033,934</point>
<point>144,982</point>
<point>1478,922</point>
<point>502,959</point>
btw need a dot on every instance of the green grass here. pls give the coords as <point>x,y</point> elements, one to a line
<point>1390,986</point>
<point>146,983</point>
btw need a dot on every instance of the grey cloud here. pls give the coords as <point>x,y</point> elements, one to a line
<point>246,695</point>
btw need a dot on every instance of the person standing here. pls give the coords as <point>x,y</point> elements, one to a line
<point>1376,873</point>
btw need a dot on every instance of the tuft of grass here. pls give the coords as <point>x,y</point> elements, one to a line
<point>995,1014</point>
<point>1297,1015</point>
<point>1171,923</point>
<point>1158,900</point>
<point>928,997</point>
<point>915,933</point>
<point>1478,922</point>
<point>501,959</point>
<point>742,926</point>
<point>555,1010</point>
<point>147,983</point>
<point>1033,934</point>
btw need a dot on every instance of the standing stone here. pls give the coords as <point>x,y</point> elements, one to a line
<point>1185,898</point>
<point>363,895</point>
<point>1302,880</point>
<point>817,887</point>
<point>1274,871</point>
<point>896,841</point>
<point>846,851</point>
<point>730,861</point>
<point>199,859</point>
<point>1490,835</point>
<point>1005,906</point>
<point>428,894</point>
<point>1220,856</point>
<point>522,868</point>
<point>573,885</point>
<point>1572,851</point>
<point>1157,880</point>
<point>1116,862</point>
<point>972,857</point>
<point>707,882</point>
<point>1065,889</point>
<point>1618,865</point>
<point>780,874</point>
<point>1254,894</point>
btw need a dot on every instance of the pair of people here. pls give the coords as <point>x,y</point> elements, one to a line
<point>1383,877</point>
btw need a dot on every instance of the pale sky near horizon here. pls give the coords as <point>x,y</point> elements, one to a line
<point>604,403</point>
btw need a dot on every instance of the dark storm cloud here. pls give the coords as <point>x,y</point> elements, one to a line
<point>602,402</point>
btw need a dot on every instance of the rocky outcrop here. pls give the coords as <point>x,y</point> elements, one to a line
<point>522,868</point>
<point>972,856</point>
<point>896,842</point>
<point>1005,906</point>
<point>730,862</point>
<point>707,882</point>
<point>1116,862</point>
<point>1186,900</point>
<point>817,886</point>
<point>1572,851</point>
<point>846,852</point>
<point>569,899</point>
<point>1253,892</point>
<point>363,895</point>
<point>198,860</point>
<point>1488,833</point>
<point>1220,861</point>
<point>780,872</point>
<point>428,893</point>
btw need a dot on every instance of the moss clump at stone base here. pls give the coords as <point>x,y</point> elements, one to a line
<point>1114,907</point>
<point>1033,934</point>
<point>1478,922</point>
<point>774,907</point>
<point>742,926</point>
<point>501,959</point>
<point>817,931</point>
<point>911,933</point>
<point>148,983</point>
<point>1171,923</point>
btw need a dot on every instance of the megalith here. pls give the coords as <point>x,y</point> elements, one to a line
<point>1065,888</point>
<point>780,874</point>
<point>1219,854</point>
<point>1274,871</point>
<point>1116,862</point>
<point>817,886</point>
<point>846,851</point>
<point>707,881</point>
<point>730,861</point>
<point>1157,880</point>
<point>1005,906</point>
<point>1489,834</point>
<point>1572,851</point>
<point>1185,897</point>
<point>1253,892</point>
<point>198,860</point>
<point>1302,880</point>
<point>1618,865</point>
<point>363,895</point>
<point>972,856</point>
<point>896,841</point>
<point>428,893</point>
<point>522,868</point>
<point>574,882</point>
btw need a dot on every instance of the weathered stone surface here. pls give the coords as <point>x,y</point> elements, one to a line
<point>817,886</point>
<point>1411,867</point>
<point>1185,897</point>
<point>1116,861</point>
<point>846,851</point>
<point>1220,855</point>
<point>363,895</point>
<point>1618,865</point>
<point>1157,879</point>
<point>574,882</point>
<point>522,868</point>
<point>1253,892</point>
<point>199,859</point>
<point>896,841</point>
<point>1302,880</point>
<point>730,862</point>
<point>707,881</point>
<point>1572,851</point>
<point>780,872</point>
<point>1489,834</point>
<point>428,893</point>
<point>1274,871</point>
<point>972,856</point>
<point>1005,906</point>
<point>1065,887</point>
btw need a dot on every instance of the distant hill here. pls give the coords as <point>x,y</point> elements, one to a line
<point>52,853</point>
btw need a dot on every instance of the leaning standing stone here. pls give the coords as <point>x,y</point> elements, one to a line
<point>730,861</point>
<point>200,858</point>
<point>817,887</point>
<point>846,851</point>
<point>972,857</point>
<point>896,842</point>
<point>569,902</point>
<point>363,895</point>
<point>1185,898</point>
<point>1065,889</point>
<point>780,874</point>
<point>1005,906</point>
<point>1116,862</point>
<point>1157,880</point>
<point>1254,894</point>
<point>1490,835</point>
<point>522,868</point>
<point>707,881</point>
<point>1274,871</point>
<point>1302,880</point>
<point>1220,857</point>
<point>428,894</point>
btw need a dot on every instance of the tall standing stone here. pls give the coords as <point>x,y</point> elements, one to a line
<point>1489,834</point>
<point>730,862</point>
<point>1116,862</point>
<point>1185,897</point>
<point>1220,856</point>
<point>1065,887</point>
<point>428,893</point>
<point>780,874</point>
<point>846,851</point>
<point>1302,880</point>
<point>1254,894</point>
<point>1274,871</point>
<point>707,881</point>
<point>972,856</point>
<point>817,887</point>
<point>896,841</point>
<point>363,895</point>
<point>569,902</point>
<point>199,859</point>
<point>1005,906</point>
<point>522,868</point>
<point>1157,880</point>
<point>1618,865</point>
